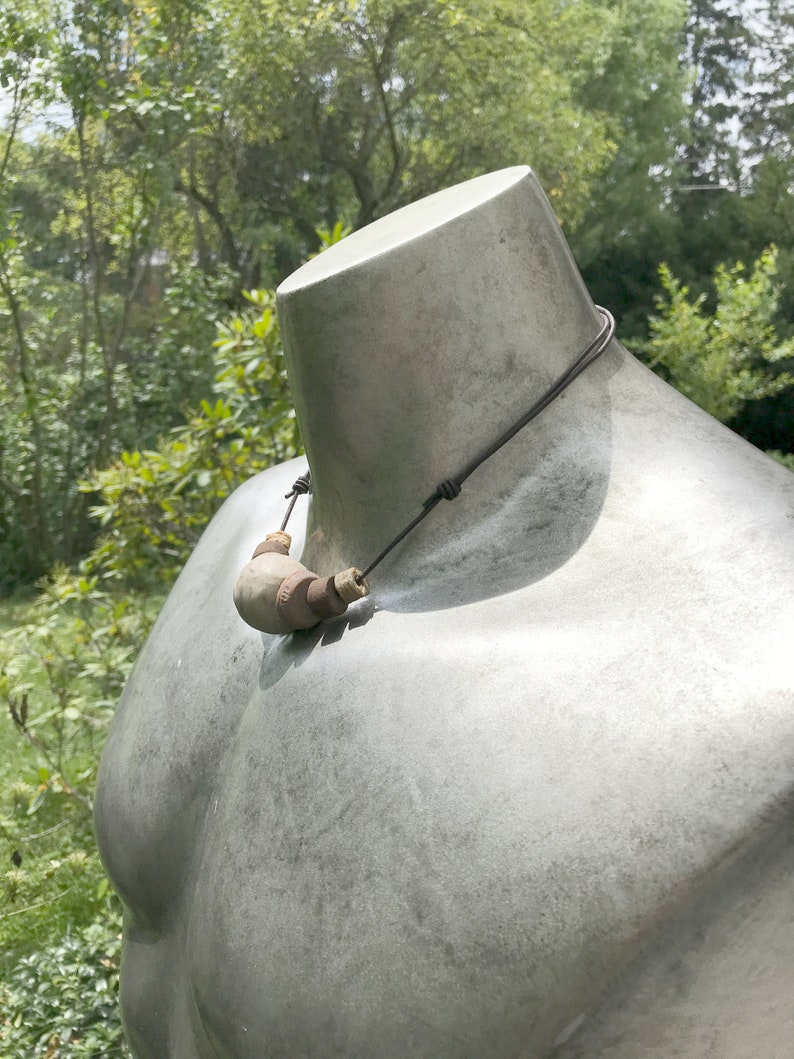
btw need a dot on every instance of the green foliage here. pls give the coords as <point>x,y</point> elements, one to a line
<point>51,396</point>
<point>50,874</point>
<point>719,43</point>
<point>62,1003</point>
<point>380,103</point>
<point>786,458</point>
<point>641,87</point>
<point>59,883</point>
<point>171,366</point>
<point>108,333</point>
<point>75,384</point>
<point>61,672</point>
<point>62,669</point>
<point>724,359</point>
<point>329,236</point>
<point>63,665</point>
<point>156,503</point>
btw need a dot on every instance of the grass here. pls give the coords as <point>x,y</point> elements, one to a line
<point>59,918</point>
<point>51,878</point>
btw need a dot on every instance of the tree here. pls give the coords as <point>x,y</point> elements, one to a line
<point>719,188</point>
<point>84,214</point>
<point>159,157</point>
<point>740,57</point>
<point>641,85</point>
<point>347,110</point>
<point>719,43</point>
<point>769,118</point>
<point>24,45</point>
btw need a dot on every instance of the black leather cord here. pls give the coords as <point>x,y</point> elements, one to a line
<point>451,487</point>
<point>299,487</point>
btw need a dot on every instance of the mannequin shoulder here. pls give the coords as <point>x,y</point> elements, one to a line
<point>182,704</point>
<point>677,475</point>
<point>204,587</point>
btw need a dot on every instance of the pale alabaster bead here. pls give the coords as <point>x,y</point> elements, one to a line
<point>277,594</point>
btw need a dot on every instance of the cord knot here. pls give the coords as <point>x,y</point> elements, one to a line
<point>300,486</point>
<point>446,490</point>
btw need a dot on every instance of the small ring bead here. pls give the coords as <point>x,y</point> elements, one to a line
<point>348,587</point>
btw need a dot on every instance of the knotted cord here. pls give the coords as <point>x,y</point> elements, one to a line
<point>450,488</point>
<point>299,487</point>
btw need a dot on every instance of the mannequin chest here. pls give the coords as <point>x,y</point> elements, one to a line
<point>435,831</point>
<point>428,816</point>
<point>548,697</point>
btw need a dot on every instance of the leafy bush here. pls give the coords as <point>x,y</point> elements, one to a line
<point>61,673</point>
<point>59,884</point>
<point>156,503</point>
<point>786,458</point>
<point>62,668</point>
<point>62,1003</point>
<point>722,360</point>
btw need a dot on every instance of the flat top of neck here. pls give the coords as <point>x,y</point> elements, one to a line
<point>403,226</point>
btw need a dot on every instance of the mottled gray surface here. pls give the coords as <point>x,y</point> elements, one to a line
<point>717,981</point>
<point>445,824</point>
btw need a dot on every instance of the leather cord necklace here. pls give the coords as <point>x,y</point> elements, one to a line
<point>277,594</point>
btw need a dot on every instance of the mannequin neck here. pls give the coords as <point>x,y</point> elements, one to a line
<point>407,360</point>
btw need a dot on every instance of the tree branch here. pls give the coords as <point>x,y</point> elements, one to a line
<point>213,210</point>
<point>39,533</point>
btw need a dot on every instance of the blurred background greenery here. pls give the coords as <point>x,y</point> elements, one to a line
<point>162,166</point>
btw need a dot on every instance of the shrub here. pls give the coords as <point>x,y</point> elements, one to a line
<point>62,668</point>
<point>720,361</point>
<point>156,503</point>
<point>62,1003</point>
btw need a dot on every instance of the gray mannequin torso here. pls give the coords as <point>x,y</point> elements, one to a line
<point>443,824</point>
